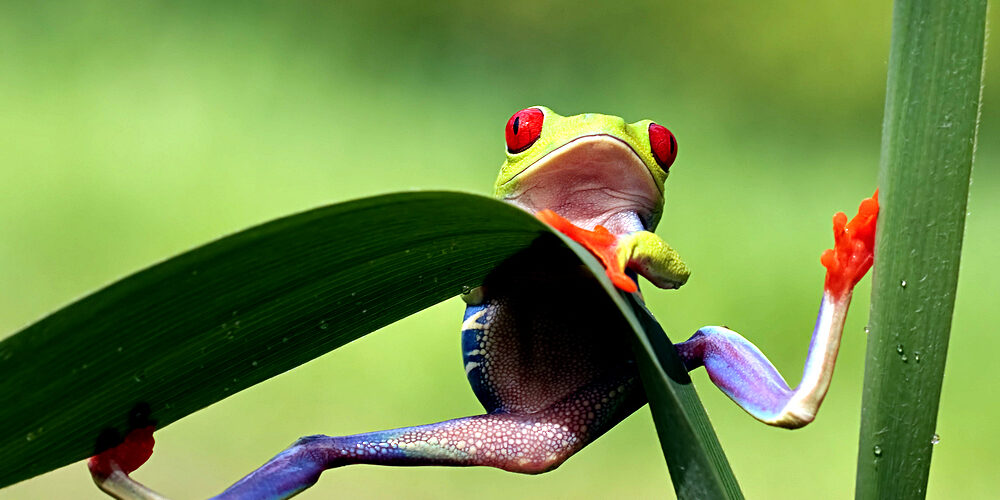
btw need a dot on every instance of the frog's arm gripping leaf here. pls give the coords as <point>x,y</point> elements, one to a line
<point>641,251</point>
<point>733,363</point>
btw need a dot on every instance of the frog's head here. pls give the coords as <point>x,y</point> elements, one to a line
<point>592,169</point>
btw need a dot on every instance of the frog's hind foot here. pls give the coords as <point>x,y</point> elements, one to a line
<point>110,468</point>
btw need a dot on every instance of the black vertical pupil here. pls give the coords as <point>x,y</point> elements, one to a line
<point>673,144</point>
<point>517,121</point>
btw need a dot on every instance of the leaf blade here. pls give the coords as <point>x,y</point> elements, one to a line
<point>231,330</point>
<point>201,326</point>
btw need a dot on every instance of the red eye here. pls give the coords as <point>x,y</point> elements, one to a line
<point>663,144</point>
<point>523,129</point>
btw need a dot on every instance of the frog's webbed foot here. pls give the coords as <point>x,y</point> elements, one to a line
<point>641,251</point>
<point>738,368</point>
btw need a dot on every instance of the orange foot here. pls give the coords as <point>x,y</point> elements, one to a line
<point>127,456</point>
<point>853,251</point>
<point>600,242</point>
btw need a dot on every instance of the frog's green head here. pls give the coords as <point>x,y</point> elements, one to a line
<point>591,168</point>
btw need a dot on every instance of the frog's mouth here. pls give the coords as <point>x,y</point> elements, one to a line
<point>592,180</point>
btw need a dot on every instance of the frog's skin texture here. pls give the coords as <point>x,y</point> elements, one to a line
<point>553,369</point>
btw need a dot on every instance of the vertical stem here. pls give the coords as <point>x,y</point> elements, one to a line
<point>928,140</point>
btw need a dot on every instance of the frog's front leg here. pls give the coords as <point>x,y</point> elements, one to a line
<point>738,368</point>
<point>653,258</point>
<point>640,251</point>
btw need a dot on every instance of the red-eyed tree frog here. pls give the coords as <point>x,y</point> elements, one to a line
<point>554,370</point>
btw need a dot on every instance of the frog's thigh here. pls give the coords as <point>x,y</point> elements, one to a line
<point>519,442</point>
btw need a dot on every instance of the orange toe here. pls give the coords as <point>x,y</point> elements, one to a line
<point>600,242</point>
<point>854,246</point>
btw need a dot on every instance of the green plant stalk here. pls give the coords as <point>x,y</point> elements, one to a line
<point>928,141</point>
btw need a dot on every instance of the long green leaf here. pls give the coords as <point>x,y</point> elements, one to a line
<point>197,328</point>
<point>932,102</point>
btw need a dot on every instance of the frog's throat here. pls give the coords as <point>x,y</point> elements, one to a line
<point>591,180</point>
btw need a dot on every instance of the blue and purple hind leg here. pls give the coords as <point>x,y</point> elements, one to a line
<point>529,443</point>
<point>517,442</point>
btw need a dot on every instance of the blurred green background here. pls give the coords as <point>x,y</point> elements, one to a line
<point>130,132</point>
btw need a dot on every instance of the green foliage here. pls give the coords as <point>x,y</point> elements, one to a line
<point>931,118</point>
<point>193,330</point>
